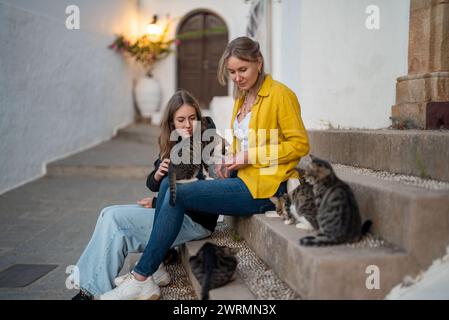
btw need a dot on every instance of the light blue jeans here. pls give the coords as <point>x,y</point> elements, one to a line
<point>120,230</point>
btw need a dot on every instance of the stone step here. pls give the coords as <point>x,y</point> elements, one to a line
<point>407,215</point>
<point>117,158</point>
<point>334,272</point>
<point>410,152</point>
<point>140,132</point>
<point>235,290</point>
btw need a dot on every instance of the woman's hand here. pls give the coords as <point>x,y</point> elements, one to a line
<point>146,202</point>
<point>237,161</point>
<point>162,170</point>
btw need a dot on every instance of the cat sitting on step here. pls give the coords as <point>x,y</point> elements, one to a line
<point>297,206</point>
<point>213,266</point>
<point>338,214</point>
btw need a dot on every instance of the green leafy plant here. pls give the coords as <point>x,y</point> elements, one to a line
<point>145,49</point>
<point>148,51</point>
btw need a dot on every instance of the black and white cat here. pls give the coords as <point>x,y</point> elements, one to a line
<point>213,266</point>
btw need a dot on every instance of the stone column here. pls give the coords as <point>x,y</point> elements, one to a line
<point>422,96</point>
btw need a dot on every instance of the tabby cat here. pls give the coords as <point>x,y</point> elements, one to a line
<point>338,214</point>
<point>213,266</point>
<point>298,205</point>
<point>188,170</point>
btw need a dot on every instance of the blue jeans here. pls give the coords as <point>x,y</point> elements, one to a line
<point>226,196</point>
<point>121,230</point>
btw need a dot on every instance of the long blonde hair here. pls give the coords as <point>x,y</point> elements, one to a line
<point>244,49</point>
<point>180,98</point>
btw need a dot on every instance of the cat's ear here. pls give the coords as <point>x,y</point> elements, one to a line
<point>274,200</point>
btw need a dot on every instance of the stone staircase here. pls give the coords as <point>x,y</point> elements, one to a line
<point>410,215</point>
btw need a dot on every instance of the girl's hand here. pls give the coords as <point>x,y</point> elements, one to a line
<point>236,162</point>
<point>162,170</point>
<point>221,171</point>
<point>146,202</point>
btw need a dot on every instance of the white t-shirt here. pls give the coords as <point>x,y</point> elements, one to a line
<point>241,131</point>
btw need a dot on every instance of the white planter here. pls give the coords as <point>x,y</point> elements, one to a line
<point>148,95</point>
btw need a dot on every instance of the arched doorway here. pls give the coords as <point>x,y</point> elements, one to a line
<point>205,38</point>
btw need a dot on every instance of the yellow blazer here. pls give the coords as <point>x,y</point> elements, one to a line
<point>277,139</point>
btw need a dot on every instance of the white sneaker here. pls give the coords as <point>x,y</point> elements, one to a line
<point>132,289</point>
<point>161,277</point>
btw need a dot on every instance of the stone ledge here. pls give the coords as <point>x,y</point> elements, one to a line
<point>410,152</point>
<point>408,216</point>
<point>335,272</point>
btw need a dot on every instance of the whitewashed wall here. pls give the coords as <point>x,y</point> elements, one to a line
<point>233,12</point>
<point>61,91</point>
<point>343,73</point>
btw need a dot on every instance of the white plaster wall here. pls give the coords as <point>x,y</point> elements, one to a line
<point>343,73</point>
<point>233,12</point>
<point>61,91</point>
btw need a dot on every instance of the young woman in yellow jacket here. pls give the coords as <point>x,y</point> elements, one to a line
<point>269,139</point>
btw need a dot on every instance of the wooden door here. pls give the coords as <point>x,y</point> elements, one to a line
<point>200,50</point>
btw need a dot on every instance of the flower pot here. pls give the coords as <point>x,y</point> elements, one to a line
<point>148,95</point>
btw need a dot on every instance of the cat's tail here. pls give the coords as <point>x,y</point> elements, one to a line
<point>366,227</point>
<point>208,267</point>
<point>172,182</point>
<point>204,294</point>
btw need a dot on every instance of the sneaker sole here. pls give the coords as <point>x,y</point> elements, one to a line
<point>164,281</point>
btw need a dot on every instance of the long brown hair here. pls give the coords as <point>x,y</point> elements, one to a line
<point>180,98</point>
<point>244,49</point>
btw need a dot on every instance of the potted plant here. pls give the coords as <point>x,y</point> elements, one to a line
<point>147,49</point>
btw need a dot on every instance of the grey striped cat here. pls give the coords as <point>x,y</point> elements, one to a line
<point>213,266</point>
<point>338,214</point>
<point>191,168</point>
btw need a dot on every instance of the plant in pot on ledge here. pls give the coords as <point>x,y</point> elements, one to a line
<point>147,49</point>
